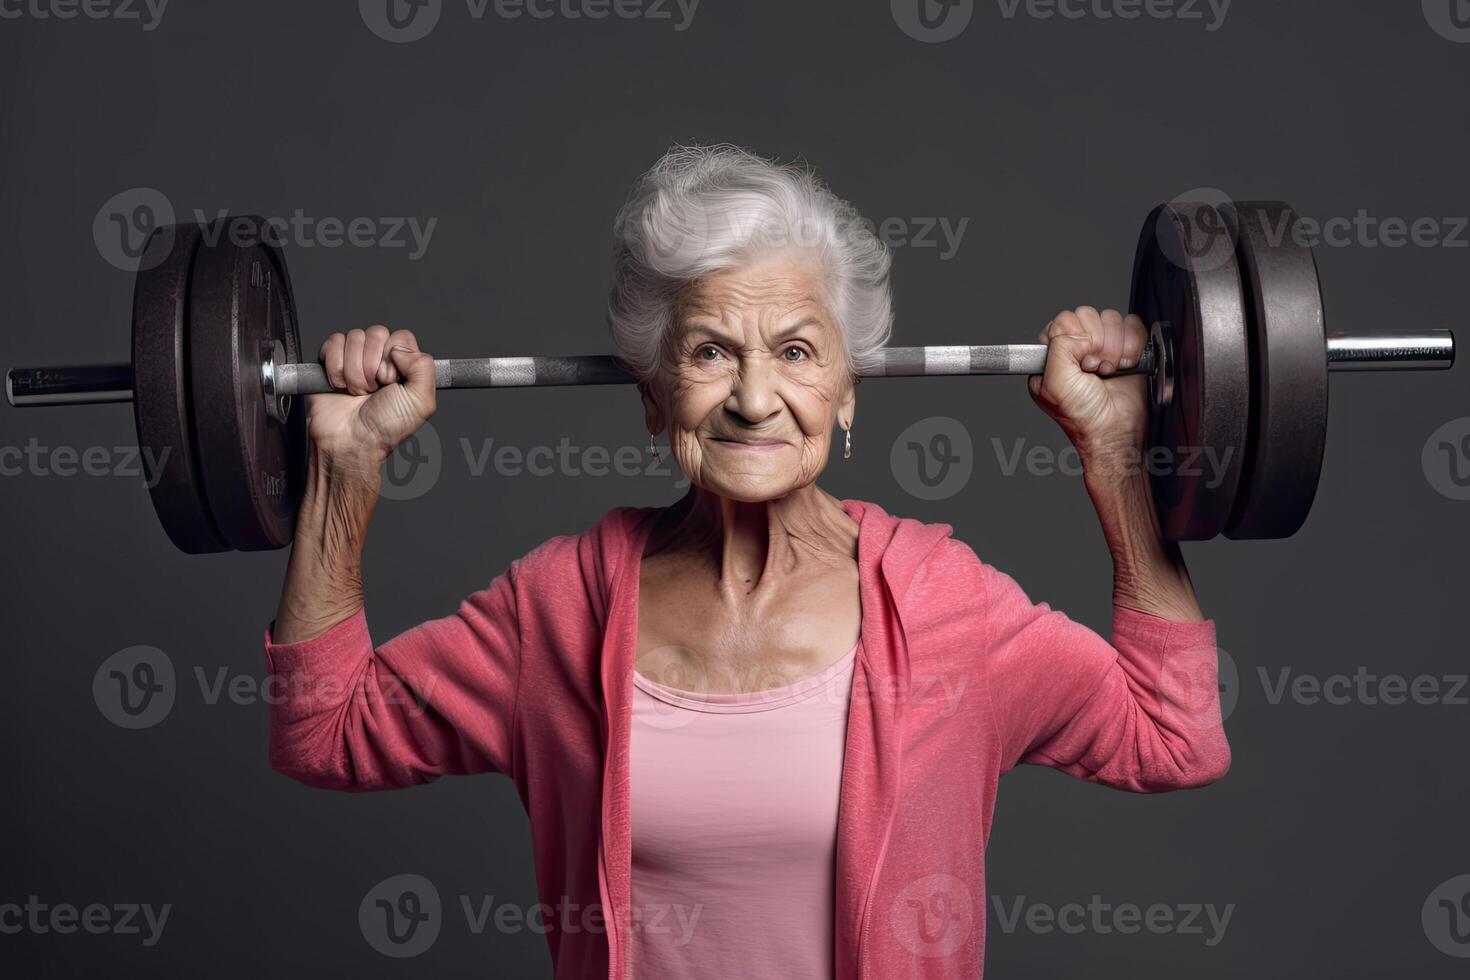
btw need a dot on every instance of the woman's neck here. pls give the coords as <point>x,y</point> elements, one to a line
<point>750,542</point>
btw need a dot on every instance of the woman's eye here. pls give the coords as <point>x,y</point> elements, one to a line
<point>711,353</point>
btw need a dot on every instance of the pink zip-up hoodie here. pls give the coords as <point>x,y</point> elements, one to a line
<point>960,678</point>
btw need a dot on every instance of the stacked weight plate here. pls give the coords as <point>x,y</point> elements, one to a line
<point>1288,372</point>
<point>1239,449</point>
<point>208,302</point>
<point>1185,274</point>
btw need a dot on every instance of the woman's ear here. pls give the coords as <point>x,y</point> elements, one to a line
<point>847,408</point>
<point>652,415</point>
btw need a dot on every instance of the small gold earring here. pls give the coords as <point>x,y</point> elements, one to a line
<point>847,445</point>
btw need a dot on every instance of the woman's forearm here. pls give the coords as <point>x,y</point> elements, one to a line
<point>1148,572</point>
<point>323,583</point>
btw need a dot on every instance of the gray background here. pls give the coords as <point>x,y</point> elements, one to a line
<point>1052,136</point>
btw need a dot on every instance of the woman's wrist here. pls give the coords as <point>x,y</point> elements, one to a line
<point>337,506</point>
<point>1125,508</point>
<point>1149,574</point>
<point>324,576</point>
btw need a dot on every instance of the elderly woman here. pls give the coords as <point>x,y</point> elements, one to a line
<point>758,732</point>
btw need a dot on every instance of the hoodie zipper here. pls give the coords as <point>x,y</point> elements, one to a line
<point>614,958</point>
<point>617,960</point>
<point>868,899</point>
<point>865,921</point>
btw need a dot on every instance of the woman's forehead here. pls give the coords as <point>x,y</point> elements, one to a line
<point>777,286</point>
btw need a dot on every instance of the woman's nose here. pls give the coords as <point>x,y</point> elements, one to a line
<point>753,395</point>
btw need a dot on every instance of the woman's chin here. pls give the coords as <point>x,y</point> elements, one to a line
<point>749,487</point>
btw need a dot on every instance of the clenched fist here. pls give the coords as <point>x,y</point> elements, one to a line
<point>388,392</point>
<point>1104,414</point>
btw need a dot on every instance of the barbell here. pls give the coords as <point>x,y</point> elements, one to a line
<point>1237,359</point>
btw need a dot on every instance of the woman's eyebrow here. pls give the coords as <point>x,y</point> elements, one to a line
<point>715,331</point>
<point>710,329</point>
<point>799,326</point>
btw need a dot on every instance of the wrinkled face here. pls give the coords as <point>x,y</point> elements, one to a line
<point>754,380</point>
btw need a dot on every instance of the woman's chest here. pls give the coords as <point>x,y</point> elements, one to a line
<point>695,635</point>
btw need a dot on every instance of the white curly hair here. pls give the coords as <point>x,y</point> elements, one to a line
<point>703,209</point>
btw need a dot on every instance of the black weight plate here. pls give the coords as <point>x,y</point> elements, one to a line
<point>1289,348</point>
<point>161,393</point>
<point>1185,273</point>
<point>253,467</point>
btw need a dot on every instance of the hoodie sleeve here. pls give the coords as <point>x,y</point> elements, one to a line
<point>1139,712</point>
<point>438,699</point>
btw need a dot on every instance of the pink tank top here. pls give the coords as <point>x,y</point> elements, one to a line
<point>734,818</point>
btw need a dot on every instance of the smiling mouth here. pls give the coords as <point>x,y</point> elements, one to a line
<point>752,443</point>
